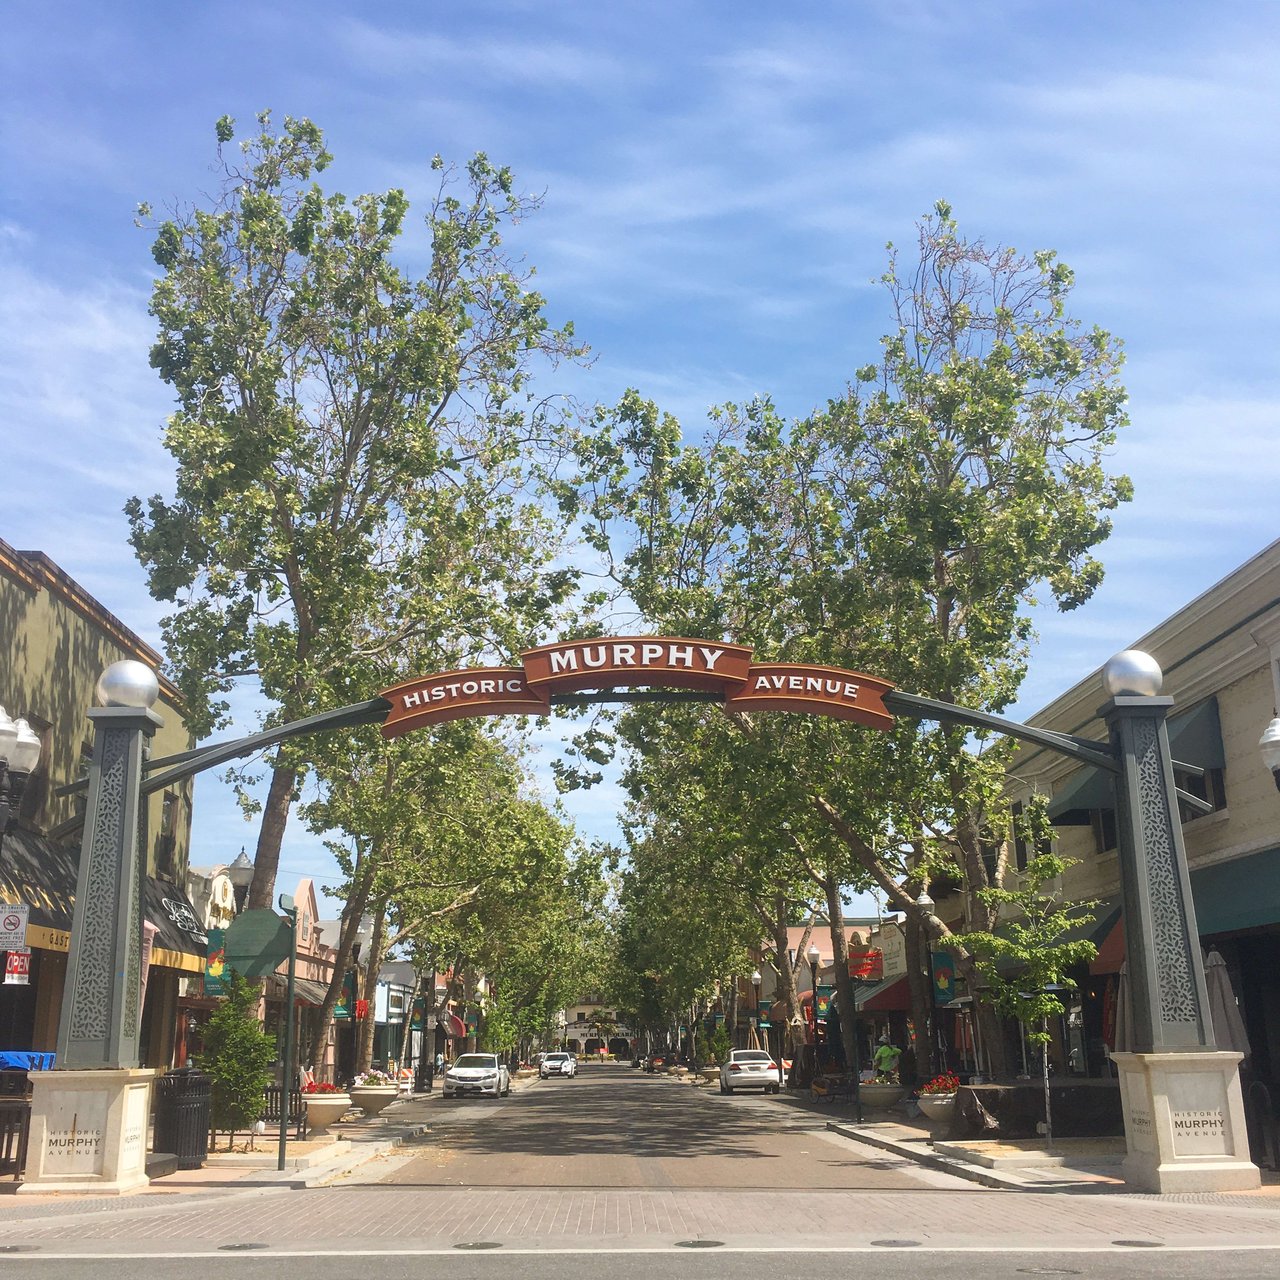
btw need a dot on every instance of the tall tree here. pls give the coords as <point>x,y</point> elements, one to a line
<point>353,444</point>
<point>906,530</point>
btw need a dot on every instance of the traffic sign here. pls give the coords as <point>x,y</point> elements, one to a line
<point>13,926</point>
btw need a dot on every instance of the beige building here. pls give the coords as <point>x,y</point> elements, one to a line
<point>57,640</point>
<point>1220,656</point>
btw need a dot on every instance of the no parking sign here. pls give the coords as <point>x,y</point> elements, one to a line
<point>13,926</point>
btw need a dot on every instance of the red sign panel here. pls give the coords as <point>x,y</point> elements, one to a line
<point>672,663</point>
<point>17,968</point>
<point>866,964</point>
<point>826,691</point>
<point>454,695</point>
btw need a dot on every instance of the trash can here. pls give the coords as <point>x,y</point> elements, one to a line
<point>183,1098</point>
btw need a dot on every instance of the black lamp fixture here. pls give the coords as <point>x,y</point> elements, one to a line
<point>19,755</point>
<point>240,873</point>
<point>1269,745</point>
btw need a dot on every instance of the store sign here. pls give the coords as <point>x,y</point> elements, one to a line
<point>711,666</point>
<point>17,968</point>
<point>13,926</point>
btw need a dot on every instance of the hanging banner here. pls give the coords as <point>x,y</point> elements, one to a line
<point>17,968</point>
<point>347,1000</point>
<point>943,966</point>
<point>215,964</point>
<point>418,1018</point>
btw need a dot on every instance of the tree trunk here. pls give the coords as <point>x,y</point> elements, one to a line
<point>846,1002</point>
<point>266,859</point>
<point>731,1011</point>
<point>351,914</point>
<point>369,992</point>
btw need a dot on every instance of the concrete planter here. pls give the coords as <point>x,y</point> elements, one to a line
<point>880,1097</point>
<point>373,1098</point>
<point>937,1108</point>
<point>324,1109</point>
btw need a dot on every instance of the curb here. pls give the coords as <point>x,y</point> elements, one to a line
<point>944,1164</point>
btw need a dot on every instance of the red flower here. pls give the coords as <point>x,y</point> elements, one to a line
<point>321,1086</point>
<point>945,1083</point>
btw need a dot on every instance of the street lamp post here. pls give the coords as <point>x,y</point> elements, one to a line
<point>756,979</point>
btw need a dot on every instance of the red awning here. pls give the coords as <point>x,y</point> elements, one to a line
<point>892,996</point>
<point>453,1026</point>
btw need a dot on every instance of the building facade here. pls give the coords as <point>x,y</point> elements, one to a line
<point>57,640</point>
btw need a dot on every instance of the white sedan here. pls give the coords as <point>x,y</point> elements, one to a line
<point>477,1073</point>
<point>558,1064</point>
<point>750,1069</point>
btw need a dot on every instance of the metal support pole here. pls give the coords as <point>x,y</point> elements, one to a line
<point>102,998</point>
<point>290,911</point>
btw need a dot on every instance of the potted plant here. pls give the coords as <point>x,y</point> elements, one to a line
<point>937,1098</point>
<point>882,1092</point>
<point>373,1090</point>
<point>326,1104</point>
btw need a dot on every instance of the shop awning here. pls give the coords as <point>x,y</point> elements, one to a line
<point>891,995</point>
<point>453,1026</point>
<point>1195,737</point>
<point>305,990</point>
<point>42,873</point>
<point>1241,894</point>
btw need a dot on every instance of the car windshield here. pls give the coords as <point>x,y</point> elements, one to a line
<point>476,1060</point>
<point>751,1055</point>
<point>557,1057</point>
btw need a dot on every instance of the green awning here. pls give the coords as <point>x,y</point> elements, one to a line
<point>1241,894</point>
<point>1087,789</point>
<point>1195,737</point>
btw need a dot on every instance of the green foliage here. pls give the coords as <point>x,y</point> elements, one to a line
<point>907,529</point>
<point>1029,943</point>
<point>719,1046</point>
<point>238,1056</point>
<point>356,447</point>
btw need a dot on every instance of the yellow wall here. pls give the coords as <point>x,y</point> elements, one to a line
<point>57,641</point>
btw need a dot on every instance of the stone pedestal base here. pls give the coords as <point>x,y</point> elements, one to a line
<point>1184,1122</point>
<point>88,1131</point>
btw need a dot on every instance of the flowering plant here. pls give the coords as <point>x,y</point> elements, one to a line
<point>945,1083</point>
<point>321,1086</point>
<point>373,1077</point>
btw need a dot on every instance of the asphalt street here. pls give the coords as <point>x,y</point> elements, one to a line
<point>664,1179</point>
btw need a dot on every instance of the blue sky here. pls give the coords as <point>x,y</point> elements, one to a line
<point>720,181</point>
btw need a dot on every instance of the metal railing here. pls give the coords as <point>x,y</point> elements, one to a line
<point>15,1128</point>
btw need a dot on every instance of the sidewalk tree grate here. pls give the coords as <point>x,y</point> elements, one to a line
<point>1139,1244</point>
<point>479,1244</point>
<point>242,1245</point>
<point>699,1244</point>
<point>897,1244</point>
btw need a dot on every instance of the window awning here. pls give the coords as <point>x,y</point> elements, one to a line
<point>1241,894</point>
<point>305,990</point>
<point>1195,737</point>
<point>891,995</point>
<point>42,873</point>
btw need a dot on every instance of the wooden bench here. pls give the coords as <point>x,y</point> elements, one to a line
<point>830,1088</point>
<point>297,1109</point>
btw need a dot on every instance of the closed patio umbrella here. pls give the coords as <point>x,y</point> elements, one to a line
<point>1224,1012</point>
<point>1122,1034</point>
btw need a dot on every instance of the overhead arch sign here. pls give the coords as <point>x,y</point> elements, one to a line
<point>665,662</point>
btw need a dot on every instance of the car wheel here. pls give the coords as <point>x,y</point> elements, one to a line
<point>728,1090</point>
<point>722,1087</point>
